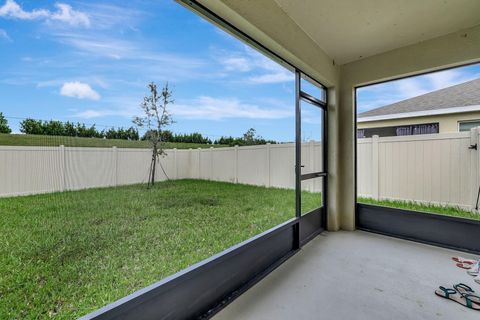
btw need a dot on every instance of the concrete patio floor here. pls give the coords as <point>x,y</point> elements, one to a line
<point>357,275</point>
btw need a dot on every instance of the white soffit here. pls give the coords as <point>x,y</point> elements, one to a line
<point>349,30</point>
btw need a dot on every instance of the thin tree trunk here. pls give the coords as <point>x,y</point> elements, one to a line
<point>154,164</point>
<point>149,174</point>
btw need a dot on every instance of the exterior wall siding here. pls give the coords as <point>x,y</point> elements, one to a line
<point>448,122</point>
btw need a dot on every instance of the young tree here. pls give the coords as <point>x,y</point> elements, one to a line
<point>250,136</point>
<point>156,117</point>
<point>4,128</point>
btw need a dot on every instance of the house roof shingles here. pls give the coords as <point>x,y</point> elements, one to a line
<point>460,95</point>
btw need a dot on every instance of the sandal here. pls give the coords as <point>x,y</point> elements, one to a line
<point>464,300</point>
<point>463,289</point>
<point>465,265</point>
<point>475,269</point>
<point>464,260</point>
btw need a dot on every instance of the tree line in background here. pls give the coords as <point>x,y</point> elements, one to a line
<point>249,138</point>
<point>169,136</point>
<point>70,129</point>
<point>58,128</point>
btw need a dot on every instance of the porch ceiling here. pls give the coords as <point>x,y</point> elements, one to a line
<point>352,30</point>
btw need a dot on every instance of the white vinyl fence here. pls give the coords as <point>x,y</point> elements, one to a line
<point>434,168</point>
<point>32,170</point>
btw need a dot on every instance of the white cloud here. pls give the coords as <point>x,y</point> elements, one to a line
<point>65,13</point>
<point>123,49</point>
<point>241,64</point>
<point>68,15</point>
<point>200,108</point>
<point>448,78</point>
<point>89,114</point>
<point>79,90</point>
<point>210,108</point>
<point>107,16</point>
<point>263,70</point>
<point>110,48</point>
<point>273,72</point>
<point>412,87</point>
<point>13,10</point>
<point>276,77</point>
<point>100,113</point>
<point>138,55</point>
<point>4,35</point>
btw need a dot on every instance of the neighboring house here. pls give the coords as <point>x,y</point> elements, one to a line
<point>452,109</point>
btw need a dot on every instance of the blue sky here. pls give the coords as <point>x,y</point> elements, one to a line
<point>378,95</point>
<point>90,61</point>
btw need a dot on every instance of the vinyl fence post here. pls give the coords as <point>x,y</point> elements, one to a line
<point>175,163</point>
<point>211,163</point>
<point>199,163</point>
<point>63,182</point>
<point>267,167</point>
<point>235,165</point>
<point>311,151</point>
<point>375,168</point>
<point>115,166</point>
<point>477,162</point>
<point>474,166</point>
<point>190,163</point>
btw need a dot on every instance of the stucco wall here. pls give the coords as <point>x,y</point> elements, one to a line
<point>447,122</point>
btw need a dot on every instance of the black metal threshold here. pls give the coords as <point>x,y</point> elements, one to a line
<point>438,230</point>
<point>202,290</point>
<point>234,295</point>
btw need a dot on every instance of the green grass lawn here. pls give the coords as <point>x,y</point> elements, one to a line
<point>426,208</point>
<point>66,254</point>
<point>40,140</point>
